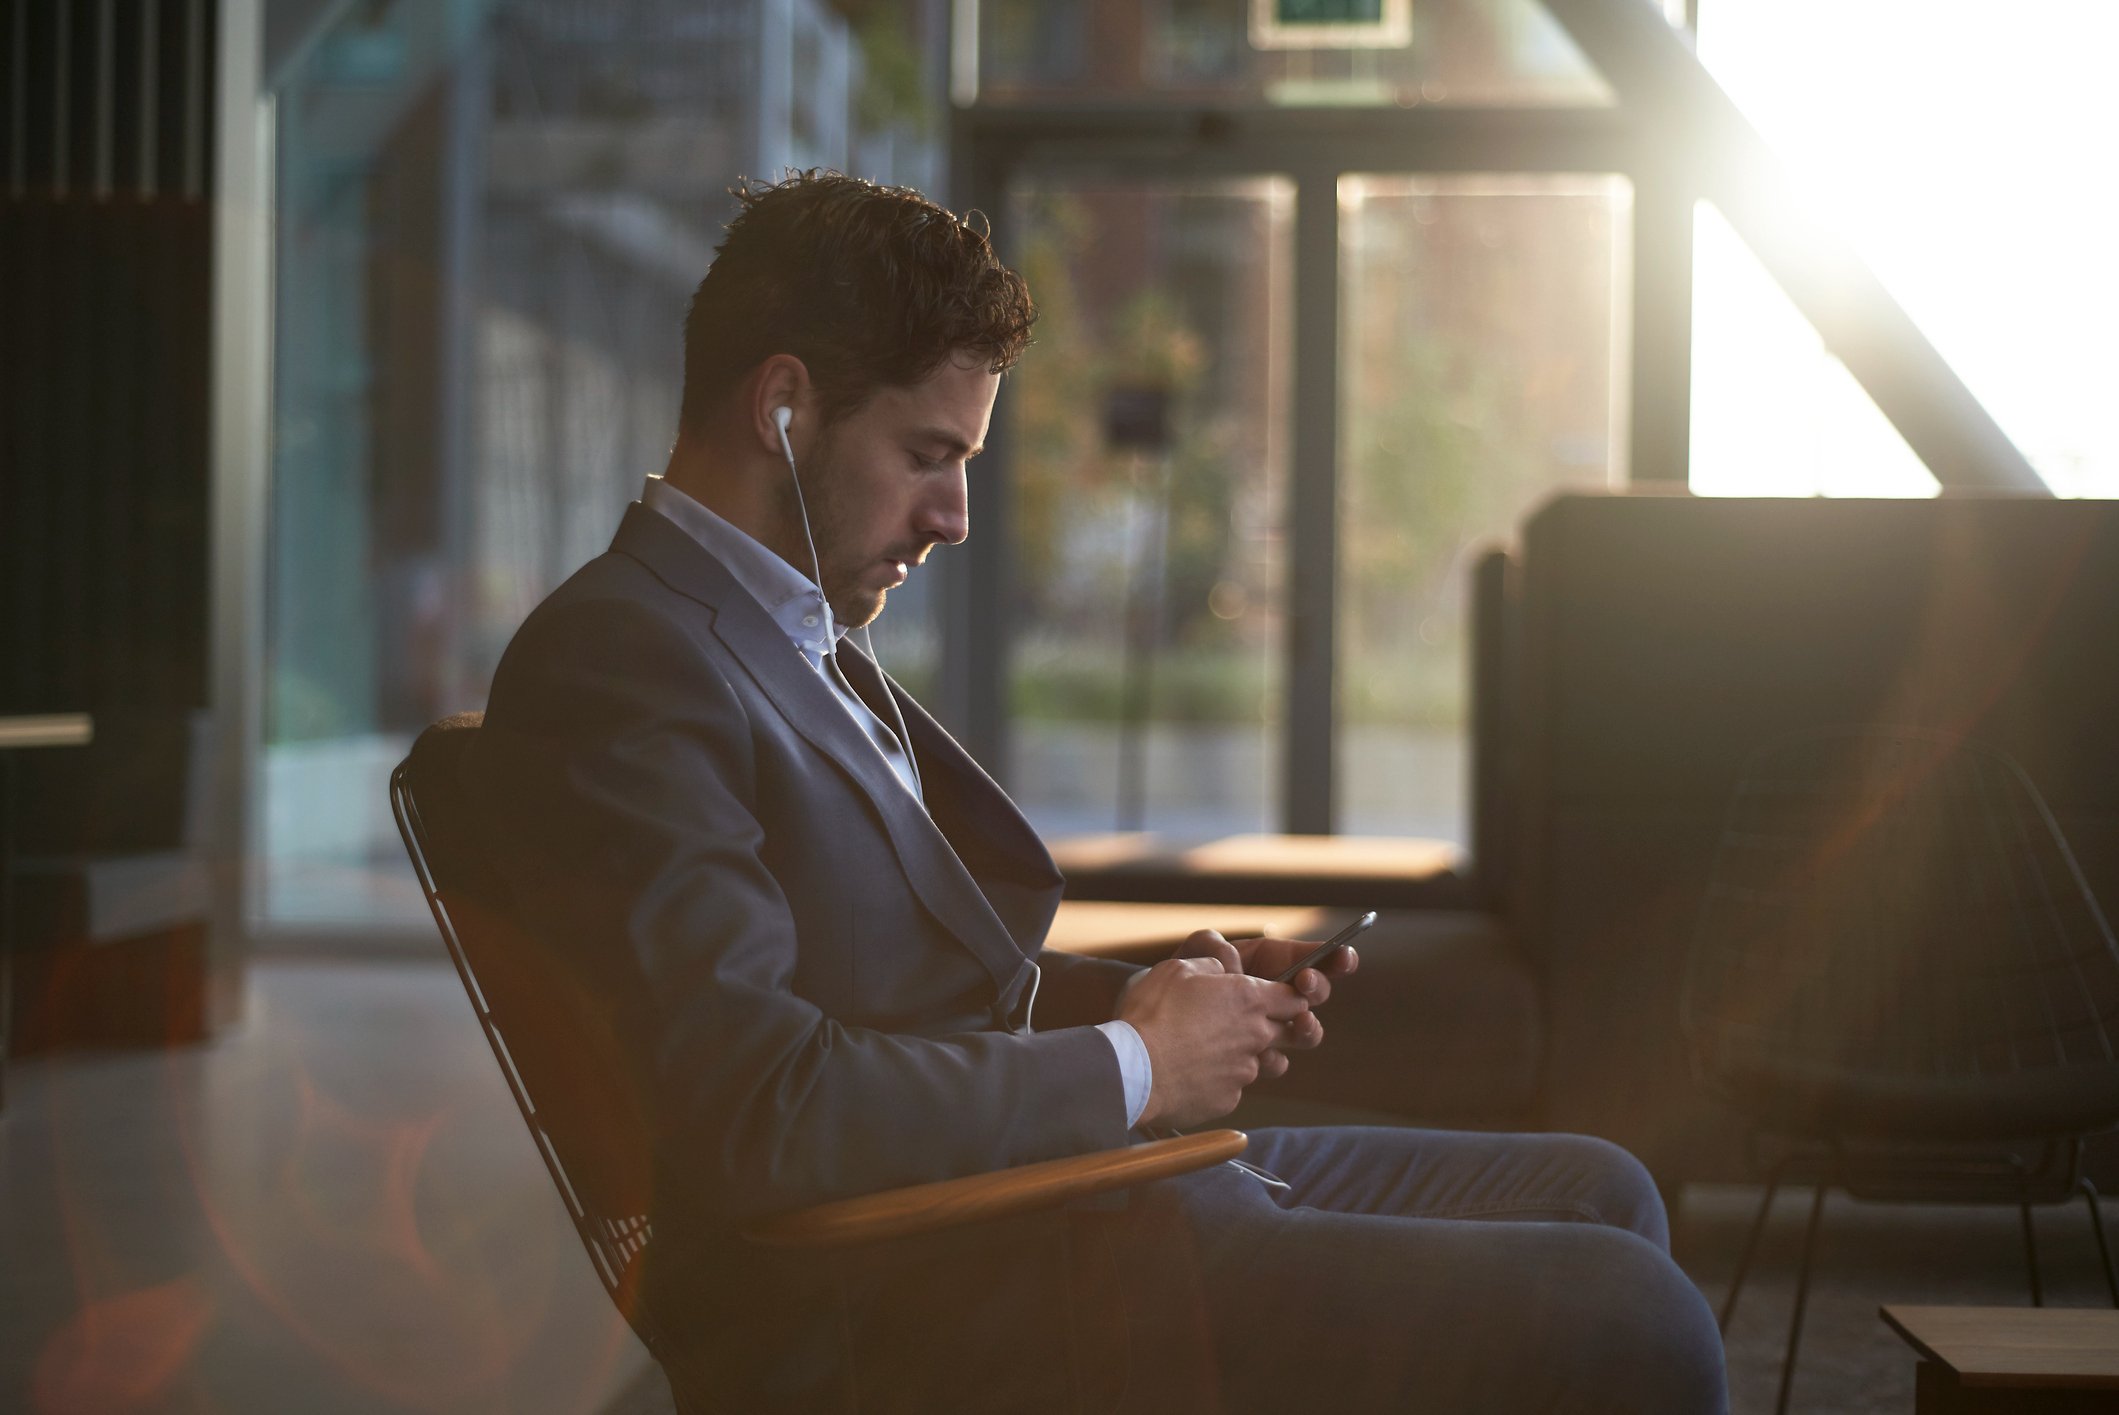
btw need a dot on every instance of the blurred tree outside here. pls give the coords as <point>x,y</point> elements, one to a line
<point>1476,337</point>
<point>1476,378</point>
<point>1091,519</point>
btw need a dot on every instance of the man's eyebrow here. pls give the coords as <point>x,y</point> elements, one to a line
<point>948,439</point>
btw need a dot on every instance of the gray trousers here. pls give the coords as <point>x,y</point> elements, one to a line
<point>1432,1271</point>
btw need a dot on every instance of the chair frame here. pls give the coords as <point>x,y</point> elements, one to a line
<point>1824,1162</point>
<point>612,1244</point>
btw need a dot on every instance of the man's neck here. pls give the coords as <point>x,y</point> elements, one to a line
<point>743,496</point>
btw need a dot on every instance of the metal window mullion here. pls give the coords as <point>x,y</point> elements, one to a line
<point>1659,403</point>
<point>975,583</point>
<point>1309,723</point>
<point>977,623</point>
<point>244,130</point>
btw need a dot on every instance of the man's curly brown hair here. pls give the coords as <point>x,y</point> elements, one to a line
<point>870,286</point>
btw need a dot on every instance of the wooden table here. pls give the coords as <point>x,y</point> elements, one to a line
<point>1146,933</point>
<point>65,729</point>
<point>57,729</point>
<point>1346,871</point>
<point>2011,1360</point>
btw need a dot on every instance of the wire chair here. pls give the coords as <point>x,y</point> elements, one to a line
<point>1898,961</point>
<point>558,1047</point>
<point>587,1121</point>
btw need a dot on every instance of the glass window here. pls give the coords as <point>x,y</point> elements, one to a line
<point>1246,51</point>
<point>1481,364</point>
<point>1773,412</point>
<point>490,219</point>
<point>1147,428</point>
<point>1959,148</point>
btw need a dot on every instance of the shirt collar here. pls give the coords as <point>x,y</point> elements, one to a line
<point>785,593</point>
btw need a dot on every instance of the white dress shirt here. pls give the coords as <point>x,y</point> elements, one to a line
<point>798,607</point>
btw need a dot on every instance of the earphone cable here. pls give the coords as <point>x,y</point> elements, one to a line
<point>868,641</point>
<point>816,570</point>
<point>831,638</point>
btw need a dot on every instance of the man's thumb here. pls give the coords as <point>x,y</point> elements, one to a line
<point>1206,943</point>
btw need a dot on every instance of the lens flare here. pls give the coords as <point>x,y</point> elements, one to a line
<point>120,1353</point>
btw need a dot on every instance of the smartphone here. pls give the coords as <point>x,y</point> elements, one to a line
<point>1330,946</point>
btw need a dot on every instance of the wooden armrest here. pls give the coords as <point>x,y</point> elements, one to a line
<point>948,1203</point>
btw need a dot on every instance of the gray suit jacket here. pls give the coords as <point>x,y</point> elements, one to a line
<point>821,986</point>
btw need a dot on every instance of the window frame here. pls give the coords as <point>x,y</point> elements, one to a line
<point>995,147</point>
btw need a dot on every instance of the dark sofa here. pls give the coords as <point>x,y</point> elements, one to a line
<point>1664,638</point>
<point>1631,652</point>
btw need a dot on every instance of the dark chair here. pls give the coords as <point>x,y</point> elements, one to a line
<point>1899,968</point>
<point>110,888</point>
<point>564,1066</point>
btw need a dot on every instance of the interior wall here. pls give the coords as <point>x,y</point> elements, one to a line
<point>106,230</point>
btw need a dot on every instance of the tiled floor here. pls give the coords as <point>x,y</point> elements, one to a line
<point>332,1210</point>
<point>1867,1255</point>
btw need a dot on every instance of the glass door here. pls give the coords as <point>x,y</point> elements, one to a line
<point>1147,429</point>
<point>1482,368</point>
<point>1154,501</point>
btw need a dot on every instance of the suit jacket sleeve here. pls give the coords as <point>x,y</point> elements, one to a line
<point>1077,991</point>
<point>619,763</point>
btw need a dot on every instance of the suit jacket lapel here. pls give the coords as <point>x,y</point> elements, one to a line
<point>988,834</point>
<point>814,710</point>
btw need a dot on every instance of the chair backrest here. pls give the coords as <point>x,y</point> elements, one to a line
<point>559,1054</point>
<point>1896,905</point>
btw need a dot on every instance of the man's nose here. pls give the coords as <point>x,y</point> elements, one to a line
<point>946,515</point>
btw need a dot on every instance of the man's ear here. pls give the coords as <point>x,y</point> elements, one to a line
<point>781,381</point>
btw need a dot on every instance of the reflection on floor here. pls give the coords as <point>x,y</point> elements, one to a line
<point>333,1209</point>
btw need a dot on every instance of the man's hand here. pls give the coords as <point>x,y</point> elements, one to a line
<point>1270,957</point>
<point>1210,1032</point>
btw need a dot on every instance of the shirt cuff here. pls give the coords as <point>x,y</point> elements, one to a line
<point>1133,1066</point>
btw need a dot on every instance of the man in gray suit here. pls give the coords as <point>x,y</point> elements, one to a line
<point>818,927</point>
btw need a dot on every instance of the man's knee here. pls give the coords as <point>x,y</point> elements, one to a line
<point>1617,1186</point>
<point>1636,1335</point>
